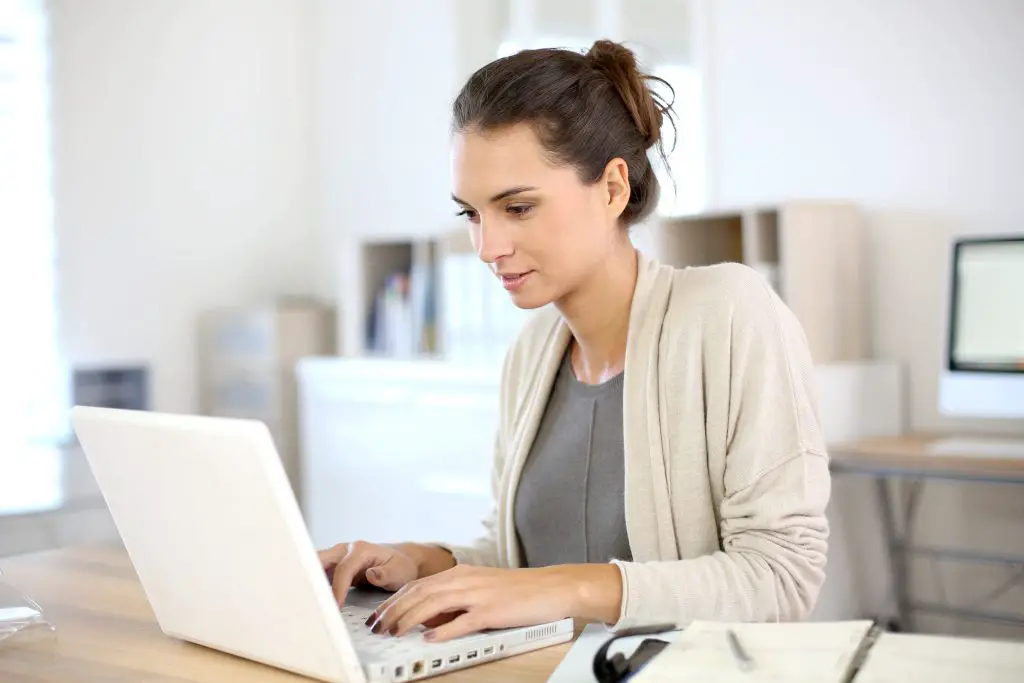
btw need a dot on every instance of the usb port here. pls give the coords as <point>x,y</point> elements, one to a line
<point>471,654</point>
<point>417,668</point>
<point>399,672</point>
<point>454,659</point>
<point>436,664</point>
<point>488,651</point>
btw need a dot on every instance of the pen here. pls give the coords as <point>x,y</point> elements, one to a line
<point>743,658</point>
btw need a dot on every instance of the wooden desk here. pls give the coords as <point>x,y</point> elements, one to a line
<point>910,456</point>
<point>106,632</point>
<point>909,461</point>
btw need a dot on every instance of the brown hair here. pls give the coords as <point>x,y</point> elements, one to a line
<point>586,110</point>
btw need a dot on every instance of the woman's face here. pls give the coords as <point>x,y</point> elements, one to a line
<point>539,228</point>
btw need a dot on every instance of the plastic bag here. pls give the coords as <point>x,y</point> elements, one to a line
<point>20,617</point>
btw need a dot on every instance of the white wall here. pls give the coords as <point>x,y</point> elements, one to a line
<point>183,161</point>
<point>913,109</point>
<point>384,75</point>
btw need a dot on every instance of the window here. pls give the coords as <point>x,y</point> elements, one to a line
<point>685,191</point>
<point>32,389</point>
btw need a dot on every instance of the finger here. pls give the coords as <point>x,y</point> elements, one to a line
<point>463,625</point>
<point>390,575</point>
<point>433,583</point>
<point>387,614</point>
<point>331,556</point>
<point>442,618</point>
<point>355,563</point>
<point>429,608</point>
<point>401,594</point>
<point>409,591</point>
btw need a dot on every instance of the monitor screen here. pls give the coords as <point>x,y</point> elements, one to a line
<point>987,326</point>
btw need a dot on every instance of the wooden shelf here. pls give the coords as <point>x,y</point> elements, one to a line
<point>811,252</point>
<point>415,264</point>
<point>451,306</point>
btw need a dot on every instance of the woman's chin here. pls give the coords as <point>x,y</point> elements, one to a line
<point>528,300</point>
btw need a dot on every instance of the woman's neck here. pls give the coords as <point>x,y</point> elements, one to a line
<point>597,313</point>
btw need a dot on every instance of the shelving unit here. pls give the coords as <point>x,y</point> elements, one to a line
<point>811,252</point>
<point>247,360</point>
<point>455,309</point>
<point>416,262</point>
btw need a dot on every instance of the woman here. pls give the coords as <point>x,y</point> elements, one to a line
<point>658,457</point>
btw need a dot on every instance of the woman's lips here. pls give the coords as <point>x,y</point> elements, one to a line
<point>512,282</point>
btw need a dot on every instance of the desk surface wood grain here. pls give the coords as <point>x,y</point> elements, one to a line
<point>106,631</point>
<point>914,452</point>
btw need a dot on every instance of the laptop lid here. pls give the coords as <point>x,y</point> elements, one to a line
<point>209,520</point>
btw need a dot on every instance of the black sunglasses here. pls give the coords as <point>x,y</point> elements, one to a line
<point>618,667</point>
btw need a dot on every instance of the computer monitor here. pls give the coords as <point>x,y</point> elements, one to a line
<point>983,375</point>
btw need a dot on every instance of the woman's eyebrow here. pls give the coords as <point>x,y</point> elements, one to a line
<point>504,194</point>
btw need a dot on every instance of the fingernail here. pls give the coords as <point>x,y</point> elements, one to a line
<point>429,635</point>
<point>393,631</point>
<point>374,573</point>
<point>372,618</point>
<point>376,627</point>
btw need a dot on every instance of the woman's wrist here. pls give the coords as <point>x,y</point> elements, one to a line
<point>429,559</point>
<point>594,591</point>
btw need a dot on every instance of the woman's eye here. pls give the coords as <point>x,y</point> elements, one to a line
<point>468,214</point>
<point>519,210</point>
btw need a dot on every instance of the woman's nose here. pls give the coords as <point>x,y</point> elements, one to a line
<point>492,242</point>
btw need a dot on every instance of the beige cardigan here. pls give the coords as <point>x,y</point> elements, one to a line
<point>726,471</point>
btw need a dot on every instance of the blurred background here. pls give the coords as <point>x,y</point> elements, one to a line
<point>241,208</point>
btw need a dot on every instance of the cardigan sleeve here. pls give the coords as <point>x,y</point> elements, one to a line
<point>775,480</point>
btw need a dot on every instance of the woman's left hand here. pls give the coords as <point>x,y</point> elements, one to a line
<point>467,599</point>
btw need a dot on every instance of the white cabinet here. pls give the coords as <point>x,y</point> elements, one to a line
<point>397,450</point>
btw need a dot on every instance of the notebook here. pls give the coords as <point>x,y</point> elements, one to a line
<point>811,652</point>
<point>913,658</point>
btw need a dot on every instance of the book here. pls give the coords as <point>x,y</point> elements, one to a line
<point>797,652</point>
<point>802,652</point>
<point>917,658</point>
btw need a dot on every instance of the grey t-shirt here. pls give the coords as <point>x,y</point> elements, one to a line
<point>570,502</point>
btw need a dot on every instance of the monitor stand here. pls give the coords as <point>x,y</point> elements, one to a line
<point>978,446</point>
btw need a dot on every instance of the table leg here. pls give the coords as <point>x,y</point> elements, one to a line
<point>897,557</point>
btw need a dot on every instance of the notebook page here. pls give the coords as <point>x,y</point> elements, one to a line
<point>811,652</point>
<point>910,658</point>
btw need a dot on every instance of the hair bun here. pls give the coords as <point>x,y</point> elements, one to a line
<point>618,64</point>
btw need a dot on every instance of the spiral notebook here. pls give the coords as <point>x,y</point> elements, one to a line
<point>811,652</point>
<point>914,658</point>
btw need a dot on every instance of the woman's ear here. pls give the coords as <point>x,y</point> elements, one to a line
<point>615,182</point>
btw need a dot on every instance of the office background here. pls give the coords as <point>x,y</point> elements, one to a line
<point>221,154</point>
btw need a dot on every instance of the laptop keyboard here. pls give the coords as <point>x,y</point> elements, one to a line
<point>377,645</point>
<point>411,657</point>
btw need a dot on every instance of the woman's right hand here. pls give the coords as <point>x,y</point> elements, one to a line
<point>353,564</point>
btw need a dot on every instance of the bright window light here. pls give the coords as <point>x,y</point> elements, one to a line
<point>32,388</point>
<point>685,191</point>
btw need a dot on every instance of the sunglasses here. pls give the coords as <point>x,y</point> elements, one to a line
<point>619,667</point>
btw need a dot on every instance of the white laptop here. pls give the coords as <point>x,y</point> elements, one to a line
<point>207,515</point>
